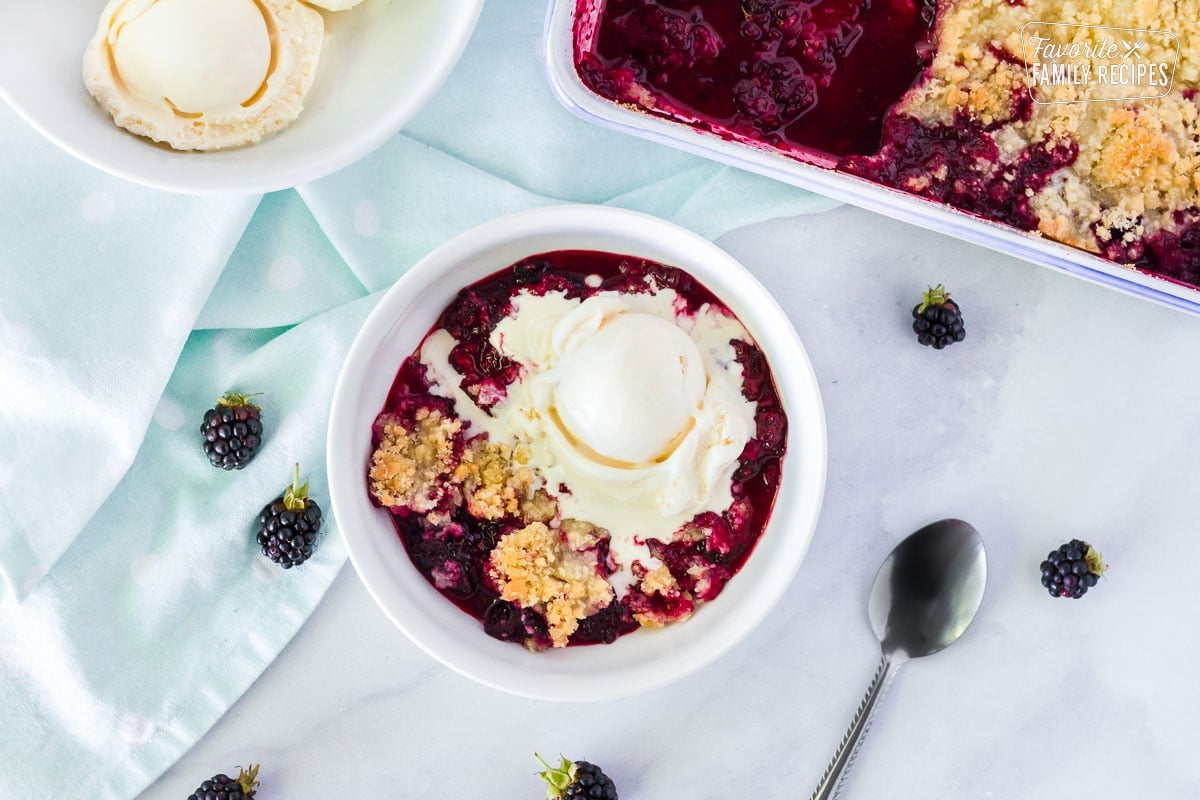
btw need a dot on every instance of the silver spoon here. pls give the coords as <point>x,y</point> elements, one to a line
<point>925,595</point>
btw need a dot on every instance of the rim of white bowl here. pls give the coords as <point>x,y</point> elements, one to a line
<point>797,507</point>
<point>320,165</point>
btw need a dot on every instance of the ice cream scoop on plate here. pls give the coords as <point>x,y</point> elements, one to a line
<point>205,74</point>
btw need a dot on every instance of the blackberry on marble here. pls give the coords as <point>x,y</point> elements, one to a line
<point>1072,569</point>
<point>937,320</point>
<point>223,787</point>
<point>579,779</point>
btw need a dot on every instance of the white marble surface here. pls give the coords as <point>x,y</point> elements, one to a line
<point>1069,411</point>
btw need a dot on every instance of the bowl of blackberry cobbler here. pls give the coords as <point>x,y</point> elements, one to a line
<point>577,453</point>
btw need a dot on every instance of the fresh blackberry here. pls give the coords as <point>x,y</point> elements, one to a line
<point>578,779</point>
<point>1072,569</point>
<point>232,431</point>
<point>223,787</point>
<point>937,320</point>
<point>288,526</point>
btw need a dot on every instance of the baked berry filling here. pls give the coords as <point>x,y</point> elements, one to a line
<point>1173,253</point>
<point>788,73</point>
<point>960,165</point>
<point>932,98</point>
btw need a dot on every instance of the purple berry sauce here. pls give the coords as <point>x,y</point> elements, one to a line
<point>454,558</point>
<point>813,77</point>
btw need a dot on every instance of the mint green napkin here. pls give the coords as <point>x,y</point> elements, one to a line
<point>137,608</point>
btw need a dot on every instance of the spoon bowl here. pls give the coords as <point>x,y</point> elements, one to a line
<point>925,595</point>
<point>929,589</point>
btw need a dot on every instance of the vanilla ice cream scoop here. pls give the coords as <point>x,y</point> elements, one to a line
<point>201,56</point>
<point>335,5</point>
<point>630,391</point>
<point>204,74</point>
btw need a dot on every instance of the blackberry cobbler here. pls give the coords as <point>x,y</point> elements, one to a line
<point>585,444</point>
<point>933,98</point>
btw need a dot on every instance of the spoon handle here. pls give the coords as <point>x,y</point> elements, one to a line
<point>831,784</point>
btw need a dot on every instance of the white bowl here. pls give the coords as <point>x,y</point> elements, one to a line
<point>381,63</point>
<point>643,659</point>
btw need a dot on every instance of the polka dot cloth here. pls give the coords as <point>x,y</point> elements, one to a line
<point>168,415</point>
<point>286,273</point>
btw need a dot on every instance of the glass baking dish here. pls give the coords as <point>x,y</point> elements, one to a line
<point>571,91</point>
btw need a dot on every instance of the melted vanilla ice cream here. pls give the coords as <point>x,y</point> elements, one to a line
<point>204,74</point>
<point>628,412</point>
<point>630,401</point>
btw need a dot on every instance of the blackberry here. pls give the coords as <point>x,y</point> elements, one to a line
<point>937,320</point>
<point>223,787</point>
<point>1072,569</point>
<point>578,779</point>
<point>232,431</point>
<point>288,526</point>
<point>508,623</point>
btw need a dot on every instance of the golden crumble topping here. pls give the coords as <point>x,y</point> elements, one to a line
<point>1138,160</point>
<point>690,532</point>
<point>409,468</point>
<point>496,479</point>
<point>418,468</point>
<point>539,507</point>
<point>660,582</point>
<point>535,568</point>
<point>582,535</point>
<point>702,578</point>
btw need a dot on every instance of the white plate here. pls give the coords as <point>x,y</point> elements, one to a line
<point>381,63</point>
<point>640,660</point>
